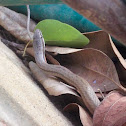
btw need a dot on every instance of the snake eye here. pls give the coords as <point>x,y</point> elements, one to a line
<point>40,33</point>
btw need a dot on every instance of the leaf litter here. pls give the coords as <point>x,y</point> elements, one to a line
<point>93,63</point>
<point>112,111</point>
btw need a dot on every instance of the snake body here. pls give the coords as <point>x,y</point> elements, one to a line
<point>87,93</point>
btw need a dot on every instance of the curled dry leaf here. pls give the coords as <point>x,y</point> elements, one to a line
<point>18,17</point>
<point>98,40</point>
<point>121,71</point>
<point>85,118</point>
<point>121,59</point>
<point>12,24</point>
<point>53,86</point>
<point>30,51</point>
<point>94,66</point>
<point>112,111</point>
<point>61,50</point>
<point>51,59</point>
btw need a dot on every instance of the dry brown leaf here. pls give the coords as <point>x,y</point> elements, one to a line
<point>51,59</point>
<point>30,51</point>
<point>53,86</point>
<point>121,71</point>
<point>100,40</point>
<point>18,17</point>
<point>108,15</point>
<point>13,26</point>
<point>94,66</point>
<point>112,111</point>
<point>121,59</point>
<point>61,50</point>
<point>84,116</point>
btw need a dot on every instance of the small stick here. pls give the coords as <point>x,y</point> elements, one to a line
<point>13,44</point>
<point>28,21</point>
<point>28,25</point>
<point>101,93</point>
<point>51,59</point>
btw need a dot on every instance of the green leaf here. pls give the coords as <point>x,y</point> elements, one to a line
<point>61,34</point>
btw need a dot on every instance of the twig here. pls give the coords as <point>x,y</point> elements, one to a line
<point>28,26</point>
<point>51,59</point>
<point>28,21</point>
<point>101,93</point>
<point>13,44</point>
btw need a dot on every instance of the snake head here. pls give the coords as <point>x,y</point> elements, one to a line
<point>39,43</point>
<point>37,34</point>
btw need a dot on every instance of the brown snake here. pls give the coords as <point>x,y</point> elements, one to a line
<point>87,93</point>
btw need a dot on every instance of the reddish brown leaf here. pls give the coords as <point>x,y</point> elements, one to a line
<point>121,59</point>
<point>112,111</point>
<point>121,71</point>
<point>16,24</point>
<point>108,15</point>
<point>100,40</point>
<point>94,66</point>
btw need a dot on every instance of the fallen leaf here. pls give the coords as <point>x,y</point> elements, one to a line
<point>51,59</point>
<point>61,50</point>
<point>94,66</point>
<point>121,71</point>
<point>121,59</point>
<point>21,19</point>
<point>52,85</point>
<point>112,111</point>
<point>11,24</point>
<point>30,51</point>
<point>85,118</point>
<point>100,40</point>
<point>108,15</point>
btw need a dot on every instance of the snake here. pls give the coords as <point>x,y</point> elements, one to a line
<point>84,88</point>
